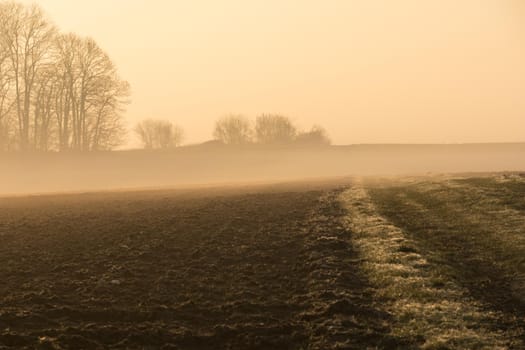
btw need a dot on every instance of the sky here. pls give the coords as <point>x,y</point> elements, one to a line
<point>369,71</point>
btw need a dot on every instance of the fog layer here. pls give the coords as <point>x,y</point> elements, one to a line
<point>200,165</point>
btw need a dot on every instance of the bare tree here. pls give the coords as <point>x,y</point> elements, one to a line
<point>66,72</point>
<point>7,101</point>
<point>89,98</point>
<point>26,36</point>
<point>159,134</point>
<point>106,129</point>
<point>6,98</point>
<point>43,126</point>
<point>233,130</point>
<point>274,129</point>
<point>317,136</point>
<point>56,91</point>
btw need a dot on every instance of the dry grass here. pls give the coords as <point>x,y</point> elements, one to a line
<point>430,309</point>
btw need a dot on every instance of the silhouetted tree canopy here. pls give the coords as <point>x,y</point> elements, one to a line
<point>316,136</point>
<point>274,129</point>
<point>233,130</point>
<point>159,134</point>
<point>270,129</point>
<point>57,91</point>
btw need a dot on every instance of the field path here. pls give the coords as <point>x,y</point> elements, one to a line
<point>475,227</point>
<point>429,310</point>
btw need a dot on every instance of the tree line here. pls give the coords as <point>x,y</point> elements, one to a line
<point>61,92</point>
<point>267,129</point>
<point>57,91</point>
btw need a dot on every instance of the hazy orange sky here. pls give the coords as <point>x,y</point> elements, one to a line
<point>370,71</point>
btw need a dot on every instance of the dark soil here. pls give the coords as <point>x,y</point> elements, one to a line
<point>266,268</point>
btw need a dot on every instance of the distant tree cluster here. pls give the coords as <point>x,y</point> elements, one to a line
<point>268,129</point>
<point>159,134</point>
<point>57,91</point>
<point>233,130</point>
<point>62,92</point>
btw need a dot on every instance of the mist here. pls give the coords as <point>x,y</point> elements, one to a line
<point>212,165</point>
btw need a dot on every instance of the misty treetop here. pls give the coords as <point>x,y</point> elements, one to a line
<point>57,91</point>
<point>317,135</point>
<point>235,130</point>
<point>268,129</point>
<point>159,134</point>
<point>274,129</point>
